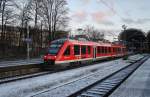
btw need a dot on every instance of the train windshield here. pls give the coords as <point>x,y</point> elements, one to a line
<point>55,46</point>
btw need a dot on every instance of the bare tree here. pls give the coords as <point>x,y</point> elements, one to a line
<point>54,14</point>
<point>24,17</point>
<point>6,17</point>
<point>44,15</point>
<point>93,33</point>
<point>59,18</point>
<point>35,8</point>
<point>6,13</point>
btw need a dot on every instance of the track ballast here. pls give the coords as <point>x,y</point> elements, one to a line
<point>104,87</point>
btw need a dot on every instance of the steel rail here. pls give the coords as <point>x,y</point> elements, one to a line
<point>104,87</point>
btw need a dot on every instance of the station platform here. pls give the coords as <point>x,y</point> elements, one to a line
<point>137,85</point>
<point>20,62</point>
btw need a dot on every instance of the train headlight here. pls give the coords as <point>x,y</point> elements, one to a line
<point>45,57</point>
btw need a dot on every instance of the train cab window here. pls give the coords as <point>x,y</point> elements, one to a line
<point>83,49</point>
<point>67,51</point>
<point>55,46</point>
<point>89,49</point>
<point>76,50</point>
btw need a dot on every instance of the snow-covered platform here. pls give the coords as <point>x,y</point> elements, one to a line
<point>137,85</point>
<point>20,62</point>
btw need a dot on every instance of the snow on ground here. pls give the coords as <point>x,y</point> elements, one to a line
<point>137,85</point>
<point>21,62</point>
<point>72,87</point>
<point>31,86</point>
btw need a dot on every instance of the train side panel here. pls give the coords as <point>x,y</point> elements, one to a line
<point>77,51</point>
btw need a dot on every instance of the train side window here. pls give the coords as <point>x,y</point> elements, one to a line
<point>124,49</point>
<point>76,50</point>
<point>89,49</point>
<point>99,49</point>
<point>103,51</point>
<point>114,50</point>
<point>109,50</point>
<point>67,51</point>
<point>83,49</point>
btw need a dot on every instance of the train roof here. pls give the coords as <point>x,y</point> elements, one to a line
<point>86,42</point>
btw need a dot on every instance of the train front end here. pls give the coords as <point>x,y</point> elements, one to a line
<point>53,51</point>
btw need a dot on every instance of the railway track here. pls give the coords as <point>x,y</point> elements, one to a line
<point>104,87</point>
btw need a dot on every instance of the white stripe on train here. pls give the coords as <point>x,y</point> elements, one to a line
<point>97,58</point>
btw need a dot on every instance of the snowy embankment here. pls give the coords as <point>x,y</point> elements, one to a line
<point>20,62</point>
<point>31,86</point>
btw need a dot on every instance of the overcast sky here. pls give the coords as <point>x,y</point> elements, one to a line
<point>110,14</point>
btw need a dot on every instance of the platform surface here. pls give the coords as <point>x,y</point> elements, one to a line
<point>20,62</point>
<point>137,85</point>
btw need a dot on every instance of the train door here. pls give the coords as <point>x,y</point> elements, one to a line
<point>94,52</point>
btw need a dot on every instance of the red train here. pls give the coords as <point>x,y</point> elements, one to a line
<point>72,51</point>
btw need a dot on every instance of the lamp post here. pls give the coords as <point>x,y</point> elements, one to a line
<point>28,45</point>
